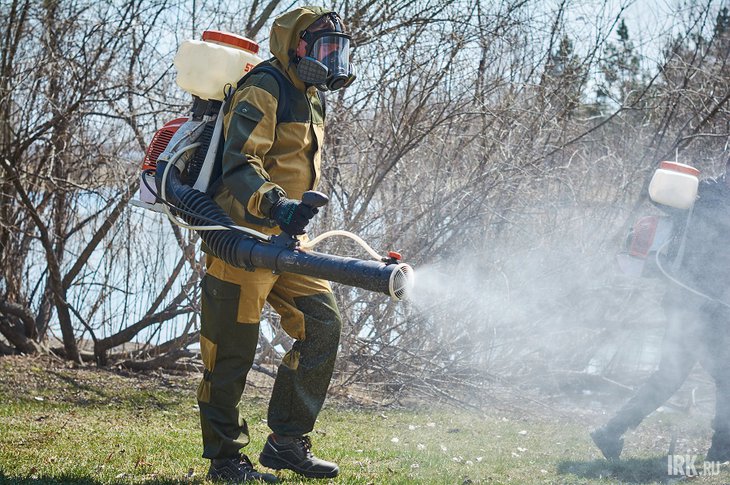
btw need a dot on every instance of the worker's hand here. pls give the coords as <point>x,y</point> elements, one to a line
<point>292,216</point>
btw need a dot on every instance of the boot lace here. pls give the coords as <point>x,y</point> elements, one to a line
<point>306,444</point>
<point>244,464</point>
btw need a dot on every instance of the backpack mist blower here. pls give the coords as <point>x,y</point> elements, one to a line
<point>183,161</point>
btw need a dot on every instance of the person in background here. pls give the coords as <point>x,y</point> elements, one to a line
<point>697,305</point>
<point>273,136</point>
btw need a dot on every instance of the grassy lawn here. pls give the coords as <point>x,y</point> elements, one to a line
<point>89,426</point>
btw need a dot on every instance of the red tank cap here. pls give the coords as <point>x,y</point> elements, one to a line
<point>232,40</point>
<point>680,167</point>
<point>394,255</point>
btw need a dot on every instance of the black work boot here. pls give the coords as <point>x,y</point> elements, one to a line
<point>237,470</point>
<point>609,442</point>
<point>295,453</point>
<point>719,449</point>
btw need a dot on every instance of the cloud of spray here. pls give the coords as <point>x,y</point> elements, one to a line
<point>548,307</point>
<point>556,314</point>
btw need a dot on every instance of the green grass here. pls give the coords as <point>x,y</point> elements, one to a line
<point>90,426</point>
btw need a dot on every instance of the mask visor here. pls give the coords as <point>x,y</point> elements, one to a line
<point>333,50</point>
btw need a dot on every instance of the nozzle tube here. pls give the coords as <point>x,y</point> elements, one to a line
<point>392,279</point>
<point>239,250</point>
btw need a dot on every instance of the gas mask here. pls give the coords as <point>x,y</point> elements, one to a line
<point>326,63</point>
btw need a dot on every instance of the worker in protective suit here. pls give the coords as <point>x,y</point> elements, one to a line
<point>697,305</point>
<point>273,135</point>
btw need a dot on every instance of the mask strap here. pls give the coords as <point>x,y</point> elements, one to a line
<point>333,18</point>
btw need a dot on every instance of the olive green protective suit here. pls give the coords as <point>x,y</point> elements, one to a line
<point>267,156</point>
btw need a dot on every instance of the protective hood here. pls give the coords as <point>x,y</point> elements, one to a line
<point>285,36</point>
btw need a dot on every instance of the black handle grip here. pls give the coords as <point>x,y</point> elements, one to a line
<point>312,198</point>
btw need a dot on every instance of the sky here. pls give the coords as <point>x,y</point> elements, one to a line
<point>647,20</point>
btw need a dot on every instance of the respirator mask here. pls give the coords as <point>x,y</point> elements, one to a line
<point>326,63</point>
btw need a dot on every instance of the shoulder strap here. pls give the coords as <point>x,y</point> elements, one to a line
<point>283,101</point>
<point>282,106</point>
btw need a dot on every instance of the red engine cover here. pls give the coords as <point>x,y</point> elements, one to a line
<point>643,236</point>
<point>160,141</point>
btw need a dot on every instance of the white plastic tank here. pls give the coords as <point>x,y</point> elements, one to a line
<point>674,184</point>
<point>204,68</point>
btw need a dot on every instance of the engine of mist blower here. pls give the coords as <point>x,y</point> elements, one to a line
<point>202,127</point>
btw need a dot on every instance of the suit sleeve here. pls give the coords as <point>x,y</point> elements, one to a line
<point>249,131</point>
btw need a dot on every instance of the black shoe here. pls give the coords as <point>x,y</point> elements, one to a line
<point>608,442</point>
<point>237,470</point>
<point>295,453</point>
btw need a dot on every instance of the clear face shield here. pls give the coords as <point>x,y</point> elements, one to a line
<point>326,64</point>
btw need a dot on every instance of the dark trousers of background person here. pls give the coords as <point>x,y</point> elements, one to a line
<point>697,331</point>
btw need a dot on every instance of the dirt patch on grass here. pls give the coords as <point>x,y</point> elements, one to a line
<point>47,378</point>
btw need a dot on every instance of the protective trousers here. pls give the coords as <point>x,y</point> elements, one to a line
<point>679,353</point>
<point>717,363</point>
<point>232,301</point>
<point>697,331</point>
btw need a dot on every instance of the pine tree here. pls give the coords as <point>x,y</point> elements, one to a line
<point>564,77</point>
<point>621,70</point>
<point>722,23</point>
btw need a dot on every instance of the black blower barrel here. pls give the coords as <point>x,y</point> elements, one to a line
<point>242,251</point>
